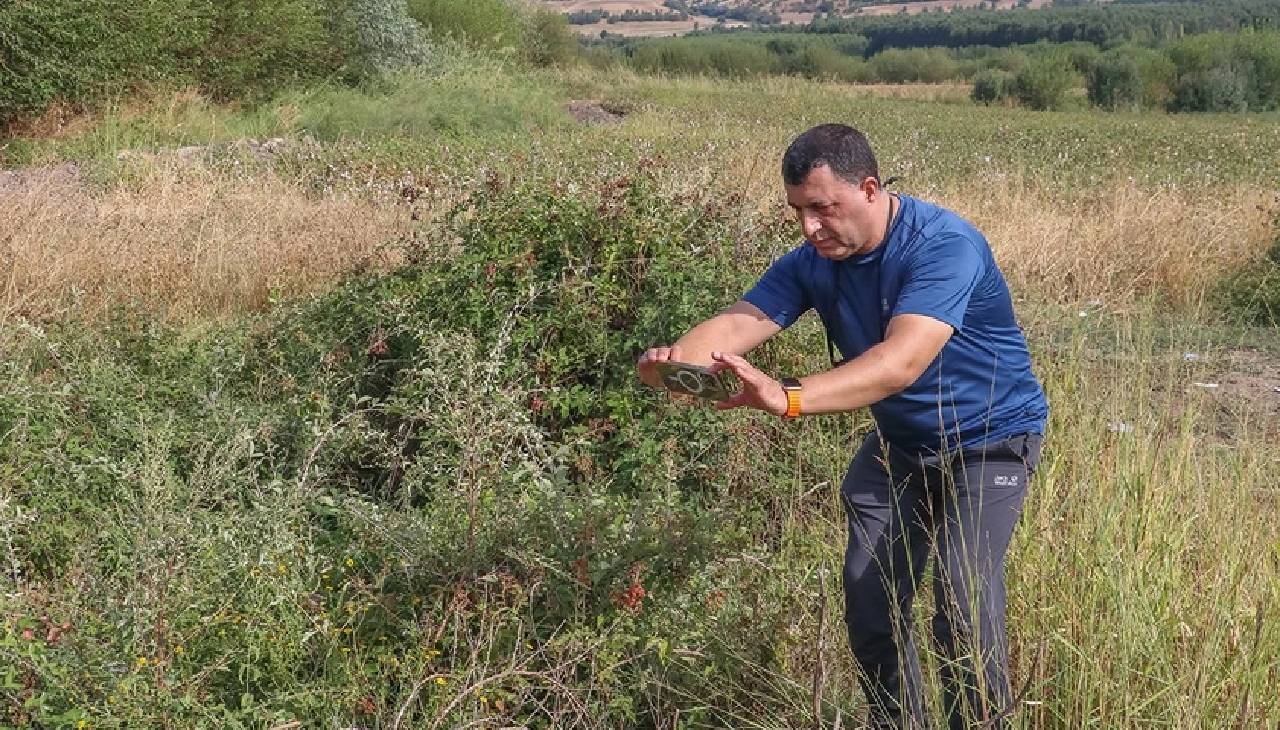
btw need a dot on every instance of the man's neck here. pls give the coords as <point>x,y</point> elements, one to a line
<point>892,206</point>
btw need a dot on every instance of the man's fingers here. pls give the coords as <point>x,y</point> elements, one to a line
<point>745,371</point>
<point>674,353</point>
<point>736,401</point>
<point>658,354</point>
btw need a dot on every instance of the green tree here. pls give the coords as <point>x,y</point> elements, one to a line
<point>385,37</point>
<point>547,40</point>
<point>1115,82</point>
<point>991,85</point>
<point>898,65</point>
<point>1043,83</point>
<point>480,24</point>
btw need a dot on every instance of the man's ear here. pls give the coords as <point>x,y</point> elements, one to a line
<point>870,187</point>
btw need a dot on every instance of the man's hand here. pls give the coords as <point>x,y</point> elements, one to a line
<point>647,365</point>
<point>759,391</point>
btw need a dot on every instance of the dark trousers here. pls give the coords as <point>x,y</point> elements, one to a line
<point>904,508</point>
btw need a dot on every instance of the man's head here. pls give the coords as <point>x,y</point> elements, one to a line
<point>833,184</point>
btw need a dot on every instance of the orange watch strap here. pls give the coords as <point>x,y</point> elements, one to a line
<point>791,387</point>
<point>793,403</point>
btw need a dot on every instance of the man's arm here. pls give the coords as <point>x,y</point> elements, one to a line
<point>736,330</point>
<point>911,343</point>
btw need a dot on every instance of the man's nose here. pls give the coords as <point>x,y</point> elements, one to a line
<point>809,224</point>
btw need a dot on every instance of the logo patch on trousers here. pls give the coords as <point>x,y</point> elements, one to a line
<point>1006,480</point>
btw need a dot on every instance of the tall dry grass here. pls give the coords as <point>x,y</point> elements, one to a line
<point>1125,243</point>
<point>184,241</point>
<point>180,242</point>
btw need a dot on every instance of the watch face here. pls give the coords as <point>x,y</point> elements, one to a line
<point>694,380</point>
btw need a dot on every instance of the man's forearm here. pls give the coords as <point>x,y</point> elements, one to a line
<point>736,330</point>
<point>698,343</point>
<point>867,379</point>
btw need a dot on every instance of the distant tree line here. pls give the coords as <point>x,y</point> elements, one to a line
<point>1211,72</point>
<point>586,17</point>
<point>82,51</point>
<point>737,12</point>
<point>1207,72</point>
<point>591,17</point>
<point>1102,25</point>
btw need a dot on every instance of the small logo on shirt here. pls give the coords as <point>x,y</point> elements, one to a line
<point>1006,480</point>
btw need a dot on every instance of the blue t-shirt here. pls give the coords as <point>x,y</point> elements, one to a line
<point>980,388</point>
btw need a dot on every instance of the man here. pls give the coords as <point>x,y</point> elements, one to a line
<point>910,294</point>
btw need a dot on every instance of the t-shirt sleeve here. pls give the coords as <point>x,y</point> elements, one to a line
<point>781,293</point>
<point>940,279</point>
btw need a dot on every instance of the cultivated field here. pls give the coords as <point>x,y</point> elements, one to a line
<point>341,429</point>
<point>795,13</point>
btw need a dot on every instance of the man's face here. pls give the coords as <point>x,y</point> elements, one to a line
<point>837,217</point>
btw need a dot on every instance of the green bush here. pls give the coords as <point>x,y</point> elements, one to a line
<point>1043,83</point>
<point>1081,55</point>
<point>1261,50</point>
<point>929,65</point>
<point>547,39</point>
<point>254,48</point>
<point>1223,88</point>
<point>385,38</point>
<point>1220,72</point>
<point>732,57</point>
<point>480,24</point>
<point>1158,75</point>
<point>81,51</point>
<point>1007,59</point>
<point>1115,83</point>
<point>736,59</point>
<point>816,61</point>
<point>991,86</point>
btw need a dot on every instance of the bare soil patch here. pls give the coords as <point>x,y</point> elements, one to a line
<point>1254,376</point>
<point>59,177</point>
<point>792,13</point>
<point>590,111</point>
<point>913,8</point>
<point>655,28</point>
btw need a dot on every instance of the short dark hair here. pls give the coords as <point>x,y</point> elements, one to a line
<point>838,146</point>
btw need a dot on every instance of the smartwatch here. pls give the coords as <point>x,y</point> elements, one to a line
<point>791,386</point>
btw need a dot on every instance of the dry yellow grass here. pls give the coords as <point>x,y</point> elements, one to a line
<point>190,242</point>
<point>181,242</point>
<point>1125,243</point>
